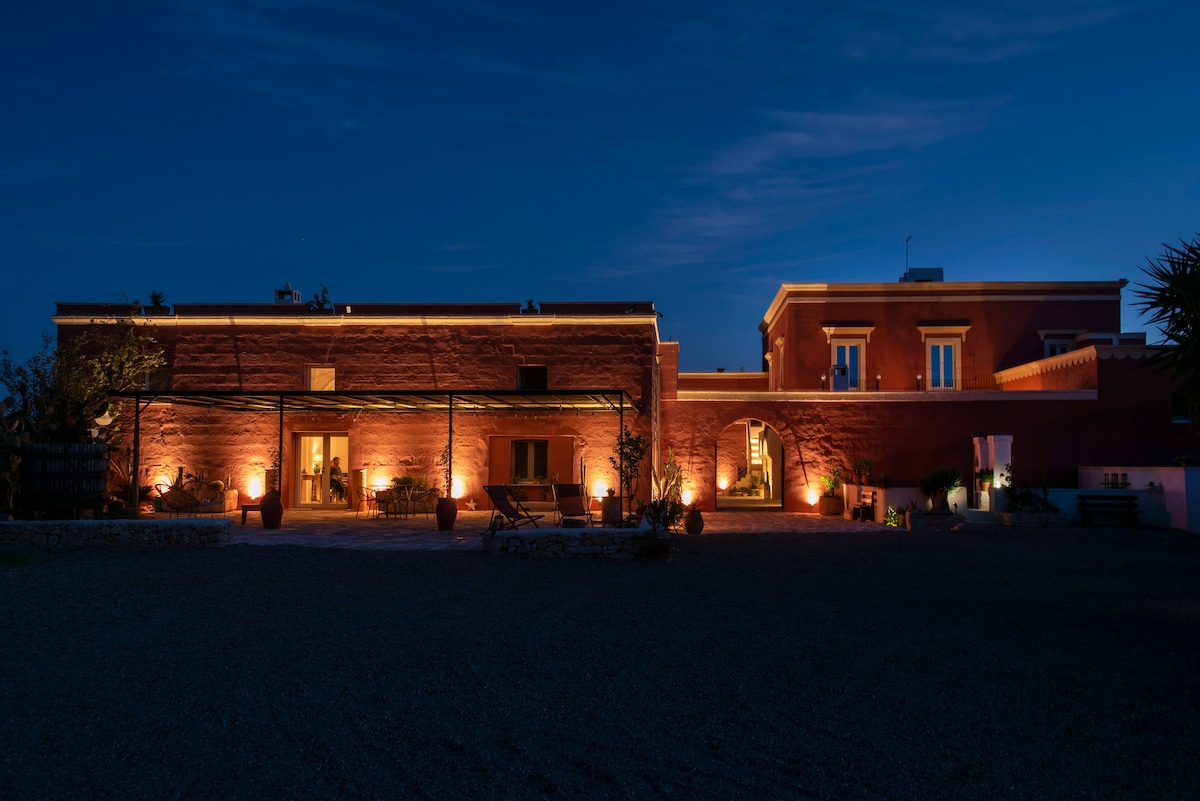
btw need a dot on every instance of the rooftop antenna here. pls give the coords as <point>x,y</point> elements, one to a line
<point>906,252</point>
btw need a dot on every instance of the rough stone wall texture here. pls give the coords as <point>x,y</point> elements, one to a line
<point>731,454</point>
<point>1129,423</point>
<point>398,358</point>
<point>191,533</point>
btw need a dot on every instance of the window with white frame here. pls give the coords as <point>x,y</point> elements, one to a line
<point>1056,346</point>
<point>320,377</point>
<point>848,354</point>
<point>943,362</point>
<point>943,353</point>
<point>851,354</point>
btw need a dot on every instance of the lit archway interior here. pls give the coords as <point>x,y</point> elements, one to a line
<point>749,466</point>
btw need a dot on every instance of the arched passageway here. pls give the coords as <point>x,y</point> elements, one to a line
<point>749,467</point>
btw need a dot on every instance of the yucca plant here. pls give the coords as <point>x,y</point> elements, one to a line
<point>937,486</point>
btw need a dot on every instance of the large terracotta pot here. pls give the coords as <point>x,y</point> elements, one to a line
<point>830,505</point>
<point>693,522</point>
<point>271,510</point>
<point>446,512</point>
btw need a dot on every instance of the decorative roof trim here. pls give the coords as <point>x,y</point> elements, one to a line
<point>339,320</point>
<point>1071,358</point>
<point>1059,333</point>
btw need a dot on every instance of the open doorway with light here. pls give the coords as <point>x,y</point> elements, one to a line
<point>322,478</point>
<point>749,467</point>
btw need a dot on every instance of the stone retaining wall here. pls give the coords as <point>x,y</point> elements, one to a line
<point>610,543</point>
<point>188,533</point>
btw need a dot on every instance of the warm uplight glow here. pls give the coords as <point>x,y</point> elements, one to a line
<point>722,483</point>
<point>162,480</point>
<point>599,488</point>
<point>812,497</point>
<point>458,487</point>
<point>687,497</point>
<point>254,487</point>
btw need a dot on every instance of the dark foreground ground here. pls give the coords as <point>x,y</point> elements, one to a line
<point>982,664</point>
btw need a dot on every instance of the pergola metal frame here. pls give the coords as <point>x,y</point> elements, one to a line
<point>468,401</point>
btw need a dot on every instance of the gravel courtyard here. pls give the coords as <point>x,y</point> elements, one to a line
<point>881,664</point>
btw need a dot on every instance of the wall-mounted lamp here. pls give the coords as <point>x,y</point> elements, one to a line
<point>104,419</point>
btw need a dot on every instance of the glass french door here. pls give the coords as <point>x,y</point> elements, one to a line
<point>317,485</point>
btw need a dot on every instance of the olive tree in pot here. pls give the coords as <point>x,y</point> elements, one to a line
<point>446,511</point>
<point>627,458</point>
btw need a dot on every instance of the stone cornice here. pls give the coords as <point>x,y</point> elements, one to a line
<point>339,320</point>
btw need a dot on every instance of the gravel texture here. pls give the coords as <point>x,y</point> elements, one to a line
<point>985,663</point>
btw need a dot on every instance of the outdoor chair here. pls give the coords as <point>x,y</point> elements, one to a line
<point>178,502</point>
<point>366,497</point>
<point>423,501</point>
<point>507,512</point>
<point>865,510</point>
<point>571,504</point>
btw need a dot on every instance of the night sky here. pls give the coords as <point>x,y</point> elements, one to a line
<point>694,154</point>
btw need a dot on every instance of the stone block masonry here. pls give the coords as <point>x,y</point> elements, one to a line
<point>190,533</point>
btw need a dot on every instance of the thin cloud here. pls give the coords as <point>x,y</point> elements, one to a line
<point>810,135</point>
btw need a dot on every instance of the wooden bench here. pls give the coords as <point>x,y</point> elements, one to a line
<point>1124,505</point>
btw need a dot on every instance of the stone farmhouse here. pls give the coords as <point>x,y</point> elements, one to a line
<point>910,376</point>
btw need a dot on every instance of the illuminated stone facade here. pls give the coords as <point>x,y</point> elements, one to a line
<point>905,375</point>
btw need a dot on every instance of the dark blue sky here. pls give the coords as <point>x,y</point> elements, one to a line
<point>694,154</point>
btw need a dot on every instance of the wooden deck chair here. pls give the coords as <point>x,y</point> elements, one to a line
<point>571,503</point>
<point>507,512</point>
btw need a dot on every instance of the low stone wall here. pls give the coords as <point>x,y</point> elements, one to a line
<point>186,533</point>
<point>590,542</point>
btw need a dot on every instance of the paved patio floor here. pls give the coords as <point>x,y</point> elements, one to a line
<point>338,529</point>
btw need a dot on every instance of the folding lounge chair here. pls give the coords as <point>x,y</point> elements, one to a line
<point>507,512</point>
<point>178,502</point>
<point>572,505</point>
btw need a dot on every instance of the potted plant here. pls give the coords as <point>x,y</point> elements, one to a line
<point>830,503</point>
<point>446,510</point>
<point>661,515</point>
<point>937,485</point>
<point>157,307</point>
<point>693,521</point>
<point>270,508</point>
<point>627,458</point>
<point>985,478</point>
<point>862,471</point>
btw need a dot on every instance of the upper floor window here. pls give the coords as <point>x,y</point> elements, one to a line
<point>1056,341</point>
<point>848,357</point>
<point>848,354</point>
<point>943,353</point>
<point>942,363</point>
<point>1056,346</point>
<point>320,377</point>
<point>532,378</point>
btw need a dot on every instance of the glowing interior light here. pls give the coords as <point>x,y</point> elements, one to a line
<point>722,483</point>
<point>812,497</point>
<point>687,497</point>
<point>599,488</point>
<point>458,487</point>
<point>254,487</point>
